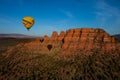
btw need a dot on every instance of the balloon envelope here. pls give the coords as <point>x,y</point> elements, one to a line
<point>49,47</point>
<point>28,22</point>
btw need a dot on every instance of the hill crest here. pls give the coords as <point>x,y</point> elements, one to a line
<point>82,38</point>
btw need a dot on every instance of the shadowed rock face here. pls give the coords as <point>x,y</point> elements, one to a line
<point>83,39</point>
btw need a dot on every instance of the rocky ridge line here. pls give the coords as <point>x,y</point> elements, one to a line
<point>82,38</point>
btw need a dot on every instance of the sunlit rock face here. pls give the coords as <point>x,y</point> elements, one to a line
<point>61,36</point>
<point>82,39</point>
<point>45,38</point>
<point>87,39</point>
<point>54,36</point>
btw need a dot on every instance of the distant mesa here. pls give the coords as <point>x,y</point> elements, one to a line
<point>16,36</point>
<point>117,36</point>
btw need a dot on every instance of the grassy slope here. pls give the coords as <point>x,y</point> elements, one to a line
<point>32,62</point>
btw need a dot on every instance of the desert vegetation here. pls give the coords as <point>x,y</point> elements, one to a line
<point>24,64</point>
<point>71,56</point>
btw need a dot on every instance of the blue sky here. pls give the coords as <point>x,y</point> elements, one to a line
<point>58,15</point>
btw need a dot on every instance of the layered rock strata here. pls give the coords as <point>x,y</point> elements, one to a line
<point>82,39</point>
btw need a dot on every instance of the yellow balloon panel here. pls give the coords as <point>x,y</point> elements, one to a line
<point>28,22</point>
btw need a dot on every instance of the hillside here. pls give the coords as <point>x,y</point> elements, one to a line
<point>77,54</point>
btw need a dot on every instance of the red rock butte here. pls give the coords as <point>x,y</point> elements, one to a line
<point>82,39</point>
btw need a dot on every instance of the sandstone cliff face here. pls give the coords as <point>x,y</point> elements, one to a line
<point>38,40</point>
<point>82,39</point>
<point>54,36</point>
<point>61,36</point>
<point>45,38</point>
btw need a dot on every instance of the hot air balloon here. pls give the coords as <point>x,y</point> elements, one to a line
<point>28,22</point>
<point>49,47</point>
